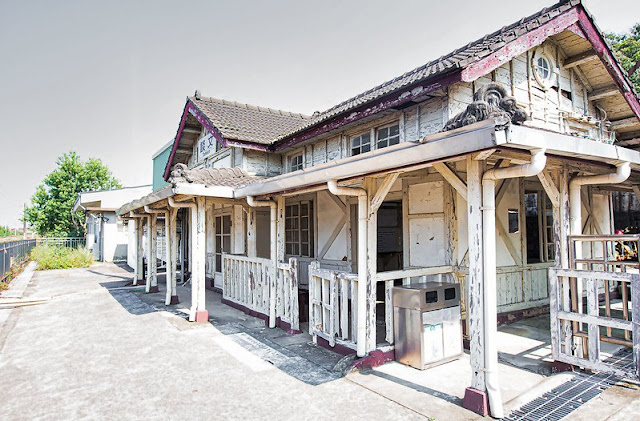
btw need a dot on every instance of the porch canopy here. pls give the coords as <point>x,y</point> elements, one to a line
<point>189,188</point>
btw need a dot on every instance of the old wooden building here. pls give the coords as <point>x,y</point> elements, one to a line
<point>491,166</point>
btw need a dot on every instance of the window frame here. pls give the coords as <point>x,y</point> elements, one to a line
<point>545,227</point>
<point>297,166</point>
<point>545,82</point>
<point>361,144</point>
<point>218,248</point>
<point>388,126</point>
<point>293,228</point>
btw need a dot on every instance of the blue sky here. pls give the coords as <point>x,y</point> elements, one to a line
<point>108,79</point>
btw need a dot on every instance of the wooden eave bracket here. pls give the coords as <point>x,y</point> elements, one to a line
<point>387,183</point>
<point>452,178</point>
<point>550,188</point>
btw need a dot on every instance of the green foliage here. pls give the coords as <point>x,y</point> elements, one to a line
<point>51,210</point>
<point>56,257</point>
<point>5,231</point>
<point>627,48</point>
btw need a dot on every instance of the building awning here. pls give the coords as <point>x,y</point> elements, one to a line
<point>484,135</point>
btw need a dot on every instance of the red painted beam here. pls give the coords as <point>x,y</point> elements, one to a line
<point>520,45</point>
<point>390,101</point>
<point>606,56</point>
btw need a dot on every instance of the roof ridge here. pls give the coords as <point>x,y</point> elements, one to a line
<point>236,104</point>
<point>560,6</point>
<point>456,51</point>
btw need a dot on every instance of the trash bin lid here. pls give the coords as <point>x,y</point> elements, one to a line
<point>427,295</point>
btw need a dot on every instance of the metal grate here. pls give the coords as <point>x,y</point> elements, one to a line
<point>564,399</point>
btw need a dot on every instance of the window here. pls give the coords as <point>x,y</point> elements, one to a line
<point>539,223</point>
<point>299,229</point>
<point>223,238</point>
<point>388,136</point>
<point>543,68</point>
<point>360,144</point>
<point>296,162</point>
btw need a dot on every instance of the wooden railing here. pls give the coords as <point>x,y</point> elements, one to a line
<point>246,281</point>
<point>606,253</point>
<point>287,306</point>
<point>333,300</point>
<point>572,344</point>
<point>333,306</point>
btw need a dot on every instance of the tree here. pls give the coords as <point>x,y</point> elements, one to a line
<point>51,210</point>
<point>627,48</point>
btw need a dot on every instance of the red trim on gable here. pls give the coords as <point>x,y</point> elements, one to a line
<point>575,28</point>
<point>191,108</point>
<point>602,49</point>
<point>575,20</point>
<point>519,46</point>
<point>390,101</point>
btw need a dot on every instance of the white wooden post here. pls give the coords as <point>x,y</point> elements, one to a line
<point>238,230</point>
<point>171,264</point>
<point>372,260</point>
<point>152,238</point>
<point>169,273</point>
<point>273,275</point>
<point>139,252</point>
<point>475,296</point>
<point>295,307</point>
<point>252,250</point>
<point>199,312</point>
<point>280,229</point>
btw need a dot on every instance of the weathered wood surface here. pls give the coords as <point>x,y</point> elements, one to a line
<point>246,281</point>
<point>474,282</point>
<point>562,310</point>
<point>330,294</point>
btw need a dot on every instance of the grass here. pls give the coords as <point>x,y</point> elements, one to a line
<point>56,257</point>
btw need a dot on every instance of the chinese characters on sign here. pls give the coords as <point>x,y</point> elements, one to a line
<point>207,145</point>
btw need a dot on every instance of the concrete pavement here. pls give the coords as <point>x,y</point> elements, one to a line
<point>82,355</point>
<point>95,350</point>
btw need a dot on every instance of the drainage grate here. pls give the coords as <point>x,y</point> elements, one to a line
<point>566,398</point>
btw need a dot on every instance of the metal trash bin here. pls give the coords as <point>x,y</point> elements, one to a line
<point>426,319</point>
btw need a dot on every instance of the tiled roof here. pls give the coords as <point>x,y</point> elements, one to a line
<point>462,57</point>
<point>225,177</point>
<point>248,123</point>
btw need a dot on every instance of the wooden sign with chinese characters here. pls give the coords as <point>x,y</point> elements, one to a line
<point>207,145</point>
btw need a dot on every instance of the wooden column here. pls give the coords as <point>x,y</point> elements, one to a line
<point>372,261</point>
<point>238,230</point>
<point>169,274</point>
<point>139,269</point>
<point>475,296</point>
<point>152,251</point>
<point>280,226</point>
<point>173,255</point>
<point>252,249</point>
<point>199,312</point>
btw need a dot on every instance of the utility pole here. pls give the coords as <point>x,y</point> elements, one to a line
<point>24,222</point>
